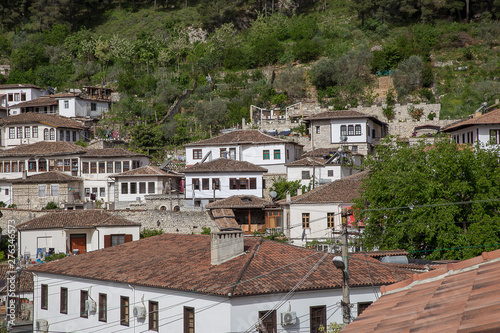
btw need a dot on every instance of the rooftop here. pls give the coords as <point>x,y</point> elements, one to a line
<point>459,297</point>
<point>44,148</point>
<point>47,177</point>
<point>342,114</point>
<point>26,281</point>
<point>75,219</point>
<point>239,201</point>
<point>41,118</point>
<point>308,161</point>
<point>111,152</point>
<point>18,85</point>
<point>165,261</point>
<point>240,137</point>
<point>44,100</point>
<point>224,165</point>
<point>490,118</point>
<point>148,170</point>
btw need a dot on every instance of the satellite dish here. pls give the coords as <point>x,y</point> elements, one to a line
<point>273,194</point>
<point>343,138</point>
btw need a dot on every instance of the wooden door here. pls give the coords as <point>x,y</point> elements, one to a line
<point>78,242</point>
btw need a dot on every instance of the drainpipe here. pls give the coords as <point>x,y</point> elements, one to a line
<point>98,238</point>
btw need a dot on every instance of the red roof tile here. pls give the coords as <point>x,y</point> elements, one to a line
<point>47,177</point>
<point>44,100</point>
<point>342,114</point>
<point>41,118</point>
<point>111,152</point>
<point>18,85</point>
<point>239,201</point>
<point>224,165</point>
<point>240,137</point>
<point>460,297</point>
<point>183,262</point>
<point>490,118</point>
<point>25,283</point>
<point>44,148</point>
<point>307,161</point>
<point>148,170</point>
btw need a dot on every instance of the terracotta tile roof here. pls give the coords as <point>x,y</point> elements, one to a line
<point>18,85</point>
<point>240,137</point>
<point>182,262</point>
<point>490,118</point>
<point>308,161</point>
<point>460,297</point>
<point>76,219</point>
<point>65,95</point>
<point>148,170</point>
<point>44,148</point>
<point>224,165</point>
<point>44,100</point>
<point>342,114</point>
<point>239,201</point>
<point>41,118</point>
<point>224,218</point>
<point>111,152</point>
<point>25,283</point>
<point>340,191</point>
<point>47,177</point>
<point>319,152</point>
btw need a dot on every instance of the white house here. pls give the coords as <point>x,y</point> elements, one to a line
<point>482,128</point>
<point>222,178</point>
<point>315,215</point>
<point>251,146</point>
<point>19,93</point>
<point>28,128</point>
<point>74,232</point>
<point>352,130</point>
<point>199,283</point>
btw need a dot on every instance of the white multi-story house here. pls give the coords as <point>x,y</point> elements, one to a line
<point>352,130</point>
<point>28,128</point>
<point>18,93</point>
<point>315,215</point>
<point>224,282</point>
<point>482,128</point>
<point>222,178</point>
<point>93,166</point>
<point>73,232</point>
<point>246,145</point>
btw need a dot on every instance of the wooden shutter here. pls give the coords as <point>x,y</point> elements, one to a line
<point>107,241</point>
<point>128,238</point>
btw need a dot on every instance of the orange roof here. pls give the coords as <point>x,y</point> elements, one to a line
<point>490,118</point>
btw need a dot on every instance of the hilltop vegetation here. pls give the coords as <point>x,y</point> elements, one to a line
<point>212,56</point>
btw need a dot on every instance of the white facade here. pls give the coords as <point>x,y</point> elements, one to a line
<point>271,156</point>
<point>485,134</point>
<point>211,313</point>
<point>355,130</point>
<point>25,134</point>
<point>59,239</point>
<point>136,188</point>
<point>6,192</point>
<point>321,173</point>
<point>16,95</point>
<point>78,107</point>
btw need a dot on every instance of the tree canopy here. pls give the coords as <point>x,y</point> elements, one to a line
<point>436,202</point>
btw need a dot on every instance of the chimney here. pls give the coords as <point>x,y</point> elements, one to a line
<point>25,174</point>
<point>299,191</point>
<point>226,245</point>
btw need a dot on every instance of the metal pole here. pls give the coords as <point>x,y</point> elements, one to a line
<point>346,310</point>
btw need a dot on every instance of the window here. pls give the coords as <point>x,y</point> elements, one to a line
<point>330,173</point>
<point>350,130</point>
<point>306,175</point>
<point>373,133</point>
<point>52,134</point>
<point>222,153</point>
<point>268,321</point>
<point>362,306</point>
<point>287,154</point>
<point>68,136</point>
<point>133,188</point>
<point>368,130</point>
<point>94,190</point>
<point>84,296</point>
<point>494,136</point>
<point>305,220</point>
<point>317,318</point>
<point>118,167</point>
<point>265,154</point>
<point>354,149</point>
<point>232,153</point>
<point>93,107</point>
<point>196,184</point>
<point>23,97</point>
<point>103,307</point>
<point>109,167</point>
<point>318,129</point>
<point>67,165</point>
<point>27,132</point>
<point>17,97</point>
<point>205,184</point>
<point>197,155</point>
<point>6,191</point>
<point>85,167</point>
<point>142,188</point>
<point>87,192</point>
<point>102,167</point>
<point>66,104</point>
<point>42,190</point>
<point>63,308</point>
<point>234,183</point>
<point>44,297</point>
<point>42,164</point>
<point>12,133</point>
<point>153,316</point>
<point>74,136</point>
<point>34,132</point>
<point>102,192</point>
<point>22,166</point>
<point>14,167</point>
<point>117,240</point>
<point>124,188</point>
<point>151,188</point>
<point>330,220</point>
<point>188,320</point>
<point>54,190</point>
<point>11,97</point>
<point>46,134</point>
<point>357,130</point>
<point>343,130</point>
<point>253,183</point>
<point>6,167</point>
<point>243,184</point>
<point>124,311</point>
<point>93,167</point>
<point>32,165</point>
<point>126,166</point>
<point>215,184</point>
<point>277,154</point>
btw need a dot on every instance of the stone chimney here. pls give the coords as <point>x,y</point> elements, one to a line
<point>226,245</point>
<point>299,191</point>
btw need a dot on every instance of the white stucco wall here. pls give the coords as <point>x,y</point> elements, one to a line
<point>158,183</point>
<point>78,107</point>
<point>31,93</point>
<point>224,191</point>
<point>320,173</point>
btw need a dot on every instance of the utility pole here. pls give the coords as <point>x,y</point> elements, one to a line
<point>346,310</point>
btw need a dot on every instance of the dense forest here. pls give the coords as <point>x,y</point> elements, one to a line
<point>185,69</point>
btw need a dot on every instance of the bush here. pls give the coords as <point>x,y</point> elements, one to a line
<point>55,257</point>
<point>51,205</point>
<point>145,233</point>
<point>3,204</point>
<point>306,50</point>
<point>12,206</point>
<point>206,231</point>
<point>408,76</point>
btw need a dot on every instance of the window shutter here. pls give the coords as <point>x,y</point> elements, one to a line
<point>128,238</point>
<point>107,241</point>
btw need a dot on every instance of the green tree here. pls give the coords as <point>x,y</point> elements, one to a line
<point>282,186</point>
<point>438,202</point>
<point>408,76</point>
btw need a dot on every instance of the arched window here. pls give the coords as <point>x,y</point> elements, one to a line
<point>52,134</point>
<point>46,134</point>
<point>42,164</point>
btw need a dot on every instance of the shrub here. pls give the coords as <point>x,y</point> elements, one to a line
<point>408,76</point>
<point>206,230</point>
<point>306,50</point>
<point>145,233</point>
<point>12,206</point>
<point>51,205</point>
<point>415,113</point>
<point>431,115</point>
<point>3,204</point>
<point>55,256</point>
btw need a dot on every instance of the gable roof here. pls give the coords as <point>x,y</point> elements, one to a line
<point>148,170</point>
<point>307,161</point>
<point>490,118</point>
<point>164,261</point>
<point>18,85</point>
<point>44,100</point>
<point>240,137</point>
<point>76,219</point>
<point>239,201</point>
<point>41,118</point>
<point>319,152</point>
<point>342,114</point>
<point>459,297</point>
<point>339,191</point>
<point>111,152</point>
<point>44,148</point>
<point>47,177</point>
<point>224,165</point>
